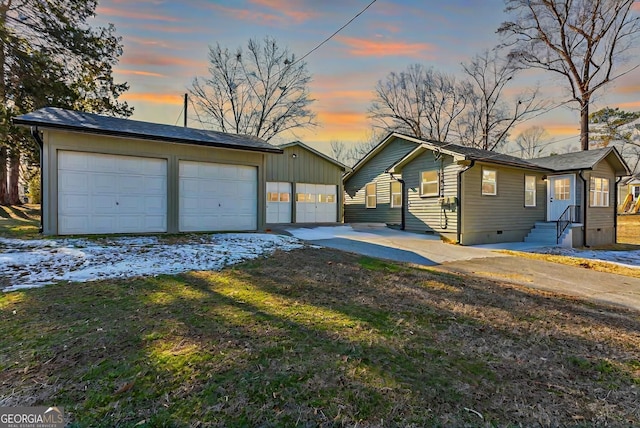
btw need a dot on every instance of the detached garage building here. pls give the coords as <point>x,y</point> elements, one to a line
<point>109,175</point>
<point>303,186</point>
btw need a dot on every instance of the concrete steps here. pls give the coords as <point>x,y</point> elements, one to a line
<point>543,233</point>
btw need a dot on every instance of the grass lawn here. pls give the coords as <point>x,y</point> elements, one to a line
<point>318,338</point>
<point>20,221</point>
<point>629,230</point>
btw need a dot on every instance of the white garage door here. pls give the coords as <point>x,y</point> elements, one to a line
<point>215,197</point>
<point>111,194</point>
<point>316,203</point>
<point>278,202</point>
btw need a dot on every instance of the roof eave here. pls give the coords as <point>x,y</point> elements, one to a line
<point>49,125</point>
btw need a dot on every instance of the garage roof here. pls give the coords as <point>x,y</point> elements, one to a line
<point>57,118</point>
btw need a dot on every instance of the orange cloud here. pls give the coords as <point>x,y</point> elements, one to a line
<point>287,8</point>
<point>636,6</point>
<point>152,42</point>
<point>137,58</point>
<point>628,89</point>
<point>140,73</point>
<point>378,48</point>
<point>248,15</point>
<point>148,97</point>
<point>629,105</point>
<point>133,15</point>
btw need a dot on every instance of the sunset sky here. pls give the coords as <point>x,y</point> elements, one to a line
<point>166,44</point>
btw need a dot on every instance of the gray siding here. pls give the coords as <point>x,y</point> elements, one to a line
<point>437,214</point>
<point>299,165</point>
<point>600,220</point>
<point>503,217</point>
<point>373,171</point>
<point>173,153</point>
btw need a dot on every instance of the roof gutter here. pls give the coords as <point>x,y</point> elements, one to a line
<point>585,202</point>
<point>459,201</point>
<point>36,136</point>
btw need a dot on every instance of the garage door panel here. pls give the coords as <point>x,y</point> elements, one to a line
<point>224,198</point>
<point>100,193</point>
<point>316,203</point>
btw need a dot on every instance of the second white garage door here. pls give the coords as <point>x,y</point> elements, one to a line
<point>100,193</point>
<point>316,203</point>
<point>217,197</point>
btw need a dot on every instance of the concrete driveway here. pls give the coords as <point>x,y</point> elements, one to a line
<point>382,242</point>
<point>391,244</point>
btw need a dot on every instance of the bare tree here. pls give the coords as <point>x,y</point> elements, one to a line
<point>488,118</point>
<point>530,142</point>
<point>419,102</point>
<point>582,40</point>
<point>339,151</point>
<point>262,91</point>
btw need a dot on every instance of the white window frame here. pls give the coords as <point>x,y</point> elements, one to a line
<point>494,181</point>
<point>430,182</point>
<point>532,192</point>
<point>598,196</point>
<point>368,195</point>
<point>393,194</point>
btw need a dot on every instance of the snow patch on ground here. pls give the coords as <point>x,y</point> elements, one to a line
<point>34,263</point>
<point>624,258</point>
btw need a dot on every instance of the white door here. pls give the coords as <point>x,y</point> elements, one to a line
<point>100,193</point>
<point>278,202</point>
<point>561,193</point>
<point>316,203</point>
<point>216,197</point>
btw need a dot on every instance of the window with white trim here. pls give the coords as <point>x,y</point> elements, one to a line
<point>599,192</point>
<point>371,199</point>
<point>489,182</point>
<point>530,190</point>
<point>429,183</point>
<point>396,194</point>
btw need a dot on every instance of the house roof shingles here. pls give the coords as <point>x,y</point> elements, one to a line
<point>57,118</point>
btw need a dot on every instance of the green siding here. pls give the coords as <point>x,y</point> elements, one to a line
<point>173,153</point>
<point>436,214</point>
<point>503,217</point>
<point>600,220</point>
<point>373,171</point>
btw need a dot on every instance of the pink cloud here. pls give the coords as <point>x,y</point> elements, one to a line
<point>289,8</point>
<point>381,48</point>
<point>121,13</point>
<point>152,98</point>
<point>140,73</point>
<point>150,59</point>
<point>249,15</point>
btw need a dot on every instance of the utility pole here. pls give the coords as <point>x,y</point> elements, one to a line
<point>185,110</point>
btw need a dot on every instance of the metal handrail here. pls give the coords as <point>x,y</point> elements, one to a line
<point>569,215</point>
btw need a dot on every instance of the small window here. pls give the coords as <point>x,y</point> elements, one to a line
<point>489,181</point>
<point>599,192</point>
<point>429,183</point>
<point>331,198</point>
<point>304,197</point>
<point>562,189</point>
<point>396,194</point>
<point>284,197</point>
<point>529,190</point>
<point>322,198</point>
<point>370,195</point>
<point>272,196</point>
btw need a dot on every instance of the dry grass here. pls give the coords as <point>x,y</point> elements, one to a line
<point>319,338</point>
<point>629,231</point>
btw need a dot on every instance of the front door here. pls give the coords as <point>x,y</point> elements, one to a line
<point>560,193</point>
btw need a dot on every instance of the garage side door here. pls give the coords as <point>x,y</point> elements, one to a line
<point>278,202</point>
<point>217,197</point>
<point>100,193</point>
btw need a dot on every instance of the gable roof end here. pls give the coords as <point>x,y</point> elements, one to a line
<point>69,120</point>
<point>586,159</point>
<point>312,150</point>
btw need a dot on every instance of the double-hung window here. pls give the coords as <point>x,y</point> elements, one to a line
<point>429,183</point>
<point>529,190</point>
<point>396,194</point>
<point>371,199</point>
<point>599,192</point>
<point>489,182</point>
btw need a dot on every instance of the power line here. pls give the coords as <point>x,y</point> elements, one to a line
<point>332,35</point>
<point>179,116</point>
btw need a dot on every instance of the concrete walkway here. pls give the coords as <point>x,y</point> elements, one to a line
<point>381,242</point>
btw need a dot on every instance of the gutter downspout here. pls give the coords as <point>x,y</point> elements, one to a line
<point>615,212</point>
<point>36,136</point>
<point>404,200</point>
<point>459,200</point>
<point>585,203</point>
